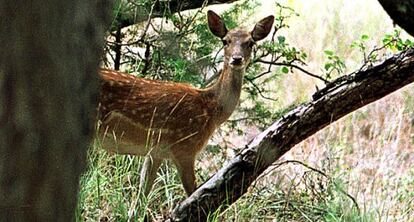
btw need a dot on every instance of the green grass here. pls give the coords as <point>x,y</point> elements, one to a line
<point>109,189</point>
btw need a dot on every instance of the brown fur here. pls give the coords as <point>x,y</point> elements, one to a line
<point>176,113</point>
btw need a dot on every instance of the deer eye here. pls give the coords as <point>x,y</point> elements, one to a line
<point>251,43</point>
<point>248,44</point>
<point>225,42</point>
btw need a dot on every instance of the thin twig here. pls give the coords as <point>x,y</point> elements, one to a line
<point>293,66</point>
<point>277,165</point>
<point>259,90</point>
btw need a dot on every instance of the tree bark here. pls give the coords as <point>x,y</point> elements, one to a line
<point>117,49</point>
<point>339,98</point>
<point>48,97</point>
<point>401,12</point>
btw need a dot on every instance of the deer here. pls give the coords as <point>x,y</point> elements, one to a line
<point>165,120</point>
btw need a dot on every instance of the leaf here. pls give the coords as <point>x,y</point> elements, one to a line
<point>328,52</point>
<point>303,56</point>
<point>281,40</point>
<point>328,66</point>
<point>285,69</point>
<point>408,43</point>
<point>341,64</point>
<point>354,44</point>
<point>364,37</point>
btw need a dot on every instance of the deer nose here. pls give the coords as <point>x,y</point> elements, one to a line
<point>237,60</point>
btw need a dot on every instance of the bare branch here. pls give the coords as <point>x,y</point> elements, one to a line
<point>258,89</point>
<point>293,66</point>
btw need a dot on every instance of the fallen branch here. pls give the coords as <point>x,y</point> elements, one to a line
<point>339,98</point>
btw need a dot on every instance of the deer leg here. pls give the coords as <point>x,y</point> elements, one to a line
<point>149,173</point>
<point>185,169</point>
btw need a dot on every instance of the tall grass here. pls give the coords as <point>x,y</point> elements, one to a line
<point>364,161</point>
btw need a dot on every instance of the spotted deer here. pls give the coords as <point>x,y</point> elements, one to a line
<point>165,120</point>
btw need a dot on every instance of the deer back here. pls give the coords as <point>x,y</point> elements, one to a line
<point>178,111</point>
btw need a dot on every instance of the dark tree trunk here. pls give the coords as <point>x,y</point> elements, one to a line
<point>401,12</point>
<point>118,48</point>
<point>48,96</point>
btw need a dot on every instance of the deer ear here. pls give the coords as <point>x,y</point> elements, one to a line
<point>262,28</point>
<point>216,24</point>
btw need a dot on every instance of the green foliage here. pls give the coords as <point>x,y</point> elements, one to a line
<point>335,66</point>
<point>360,44</point>
<point>281,49</point>
<point>182,71</point>
<point>394,41</point>
<point>390,42</point>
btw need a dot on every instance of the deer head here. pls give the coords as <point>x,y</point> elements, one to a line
<point>238,43</point>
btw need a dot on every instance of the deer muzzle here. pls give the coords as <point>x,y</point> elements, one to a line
<point>237,60</point>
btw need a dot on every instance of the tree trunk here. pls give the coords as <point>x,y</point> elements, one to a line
<point>48,96</point>
<point>339,98</point>
<point>401,12</point>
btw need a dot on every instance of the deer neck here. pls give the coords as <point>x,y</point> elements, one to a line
<point>227,90</point>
